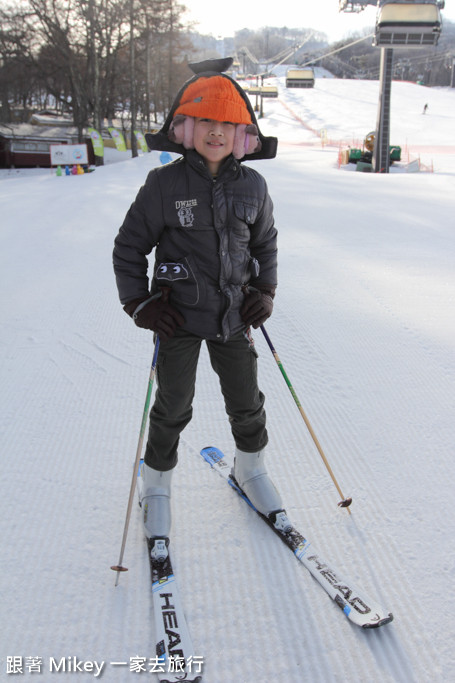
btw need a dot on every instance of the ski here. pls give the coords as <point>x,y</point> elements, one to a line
<point>357,607</point>
<point>174,660</point>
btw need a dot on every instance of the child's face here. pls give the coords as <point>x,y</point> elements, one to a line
<point>214,140</point>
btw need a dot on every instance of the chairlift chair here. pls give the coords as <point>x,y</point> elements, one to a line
<point>300,78</point>
<point>408,24</point>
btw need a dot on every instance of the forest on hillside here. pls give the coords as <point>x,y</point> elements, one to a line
<point>96,60</point>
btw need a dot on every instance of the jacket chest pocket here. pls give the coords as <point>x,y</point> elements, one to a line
<point>246,211</point>
<point>245,214</point>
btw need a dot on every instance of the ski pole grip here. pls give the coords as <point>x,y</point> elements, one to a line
<point>165,291</point>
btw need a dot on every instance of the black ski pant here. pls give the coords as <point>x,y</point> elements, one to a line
<point>235,363</point>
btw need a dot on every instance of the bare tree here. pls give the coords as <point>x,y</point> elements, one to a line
<point>94,58</point>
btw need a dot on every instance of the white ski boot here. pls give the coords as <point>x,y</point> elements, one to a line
<point>155,502</point>
<point>251,475</point>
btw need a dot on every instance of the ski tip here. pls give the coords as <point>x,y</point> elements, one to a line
<point>211,454</point>
<point>119,568</point>
<point>380,622</point>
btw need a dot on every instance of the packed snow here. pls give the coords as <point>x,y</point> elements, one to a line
<point>364,326</point>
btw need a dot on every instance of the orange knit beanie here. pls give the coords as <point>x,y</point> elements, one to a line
<point>214,97</point>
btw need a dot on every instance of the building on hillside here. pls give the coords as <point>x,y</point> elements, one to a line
<point>24,145</point>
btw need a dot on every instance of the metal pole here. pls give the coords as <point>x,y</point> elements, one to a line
<point>381,154</point>
<point>345,502</point>
<point>119,567</point>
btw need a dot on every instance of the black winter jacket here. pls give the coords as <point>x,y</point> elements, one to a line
<point>211,237</point>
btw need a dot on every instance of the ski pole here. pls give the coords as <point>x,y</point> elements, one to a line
<point>345,502</point>
<point>119,567</point>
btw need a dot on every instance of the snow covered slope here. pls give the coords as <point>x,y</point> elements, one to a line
<point>364,325</point>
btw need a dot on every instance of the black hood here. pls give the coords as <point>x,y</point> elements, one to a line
<point>210,67</point>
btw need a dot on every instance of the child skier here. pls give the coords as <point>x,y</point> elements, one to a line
<point>210,221</point>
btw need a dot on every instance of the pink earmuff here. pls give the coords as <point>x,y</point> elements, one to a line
<point>181,131</point>
<point>246,140</point>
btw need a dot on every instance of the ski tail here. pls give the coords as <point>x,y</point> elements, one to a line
<point>174,659</point>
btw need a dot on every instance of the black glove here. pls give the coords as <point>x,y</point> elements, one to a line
<point>257,306</point>
<point>157,315</point>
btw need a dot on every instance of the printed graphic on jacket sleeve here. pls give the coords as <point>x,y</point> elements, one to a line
<point>171,272</point>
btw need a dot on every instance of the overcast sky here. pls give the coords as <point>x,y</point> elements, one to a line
<point>224,18</point>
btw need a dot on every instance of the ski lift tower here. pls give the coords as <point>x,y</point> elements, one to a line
<point>399,23</point>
